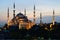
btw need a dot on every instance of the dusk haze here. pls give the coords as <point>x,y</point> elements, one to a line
<point>30,19</point>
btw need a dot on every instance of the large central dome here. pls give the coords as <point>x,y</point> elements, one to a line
<point>20,16</point>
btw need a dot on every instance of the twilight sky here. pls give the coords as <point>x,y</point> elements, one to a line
<point>44,6</point>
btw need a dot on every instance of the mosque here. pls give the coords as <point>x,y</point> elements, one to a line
<point>20,19</point>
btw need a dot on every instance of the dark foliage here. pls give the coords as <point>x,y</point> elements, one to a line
<point>36,31</point>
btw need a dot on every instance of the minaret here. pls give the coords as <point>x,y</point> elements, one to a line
<point>40,18</point>
<point>53,17</point>
<point>25,12</point>
<point>14,10</point>
<point>8,16</point>
<point>34,14</point>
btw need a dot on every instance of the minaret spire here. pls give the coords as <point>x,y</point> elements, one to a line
<point>8,16</point>
<point>53,17</point>
<point>14,10</point>
<point>8,13</point>
<point>34,14</point>
<point>40,18</point>
<point>25,12</point>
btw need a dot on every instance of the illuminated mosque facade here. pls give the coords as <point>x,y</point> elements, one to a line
<point>20,19</point>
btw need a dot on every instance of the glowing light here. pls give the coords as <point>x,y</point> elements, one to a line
<point>46,28</point>
<point>51,25</point>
